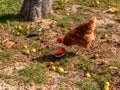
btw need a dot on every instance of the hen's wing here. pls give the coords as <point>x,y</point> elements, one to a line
<point>81,35</point>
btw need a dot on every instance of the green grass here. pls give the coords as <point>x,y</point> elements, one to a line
<point>5,54</point>
<point>85,64</point>
<point>37,71</point>
<point>101,79</point>
<point>88,85</point>
<point>33,73</point>
<point>3,76</point>
<point>6,57</point>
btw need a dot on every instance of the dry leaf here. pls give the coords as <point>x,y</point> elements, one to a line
<point>113,68</point>
<point>8,44</point>
<point>103,62</point>
<point>112,10</point>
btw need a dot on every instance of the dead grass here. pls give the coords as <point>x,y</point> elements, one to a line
<point>20,71</point>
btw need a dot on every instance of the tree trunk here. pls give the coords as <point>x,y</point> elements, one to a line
<point>32,10</point>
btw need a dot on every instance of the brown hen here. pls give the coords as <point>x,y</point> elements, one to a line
<point>81,35</point>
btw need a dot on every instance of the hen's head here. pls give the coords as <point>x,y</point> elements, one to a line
<point>81,35</point>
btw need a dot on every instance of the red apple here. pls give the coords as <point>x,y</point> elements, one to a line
<point>60,39</point>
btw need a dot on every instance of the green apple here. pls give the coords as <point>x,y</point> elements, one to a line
<point>88,75</point>
<point>53,68</point>
<point>60,69</point>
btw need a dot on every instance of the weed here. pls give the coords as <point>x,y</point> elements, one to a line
<point>5,54</point>
<point>33,73</point>
<point>5,76</point>
<point>113,62</point>
<point>85,64</point>
<point>87,85</point>
<point>101,79</point>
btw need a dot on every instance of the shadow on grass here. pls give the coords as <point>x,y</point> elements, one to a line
<point>52,58</point>
<point>10,17</point>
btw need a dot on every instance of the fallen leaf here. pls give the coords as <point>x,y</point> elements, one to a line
<point>111,10</point>
<point>103,62</point>
<point>8,44</point>
<point>113,68</point>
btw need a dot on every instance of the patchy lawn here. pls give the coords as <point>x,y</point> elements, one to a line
<point>24,65</point>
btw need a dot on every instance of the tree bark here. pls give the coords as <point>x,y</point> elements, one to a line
<point>32,10</point>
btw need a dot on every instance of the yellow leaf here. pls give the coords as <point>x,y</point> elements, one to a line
<point>112,10</point>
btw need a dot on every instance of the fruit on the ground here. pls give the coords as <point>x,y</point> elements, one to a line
<point>105,36</point>
<point>28,26</point>
<point>17,33</point>
<point>60,39</point>
<point>96,56</point>
<point>26,51</point>
<point>60,69</point>
<point>25,46</point>
<point>54,22</point>
<point>107,84</point>
<point>97,2</point>
<point>53,68</point>
<point>33,50</point>
<point>88,75</point>
<point>20,28</point>
<point>106,88</point>
<point>67,14</point>
<point>50,64</point>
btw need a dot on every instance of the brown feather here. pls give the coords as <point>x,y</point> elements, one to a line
<point>81,35</point>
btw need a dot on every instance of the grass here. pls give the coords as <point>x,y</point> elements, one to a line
<point>88,85</point>
<point>33,74</point>
<point>70,62</point>
<point>6,57</point>
<point>85,63</point>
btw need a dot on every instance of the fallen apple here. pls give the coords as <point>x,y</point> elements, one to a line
<point>54,22</point>
<point>96,56</point>
<point>107,84</point>
<point>97,2</point>
<point>17,33</point>
<point>33,50</point>
<point>60,39</point>
<point>20,28</point>
<point>67,14</point>
<point>60,69</point>
<point>88,75</point>
<point>25,46</point>
<point>50,64</point>
<point>28,26</point>
<point>105,36</point>
<point>106,88</point>
<point>26,51</point>
<point>53,68</point>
